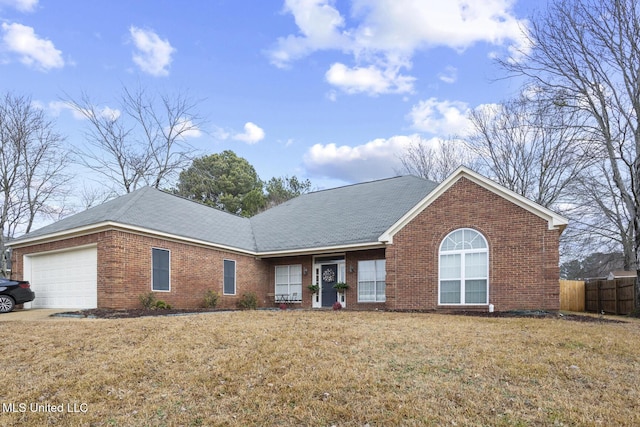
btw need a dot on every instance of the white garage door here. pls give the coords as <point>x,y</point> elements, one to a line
<point>64,279</point>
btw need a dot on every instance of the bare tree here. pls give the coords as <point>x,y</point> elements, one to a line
<point>531,146</point>
<point>434,160</point>
<point>92,196</point>
<point>142,142</point>
<point>587,53</point>
<point>32,168</point>
<point>600,221</point>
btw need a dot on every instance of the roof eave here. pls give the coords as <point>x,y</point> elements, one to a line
<point>321,249</point>
<point>113,225</point>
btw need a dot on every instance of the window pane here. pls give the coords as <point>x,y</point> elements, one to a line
<point>296,289</point>
<point>450,267</point>
<point>475,239</point>
<point>160,261</point>
<point>366,271</point>
<point>229,286</point>
<point>450,292</point>
<point>475,291</point>
<point>295,274</point>
<point>381,295</point>
<point>342,276</point>
<point>366,291</point>
<point>475,265</point>
<point>453,241</point>
<point>282,275</point>
<point>381,273</point>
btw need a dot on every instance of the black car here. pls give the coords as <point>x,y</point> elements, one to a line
<point>14,292</point>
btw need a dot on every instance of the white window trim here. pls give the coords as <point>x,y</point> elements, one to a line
<point>169,252</point>
<point>375,282</point>
<point>288,266</point>
<point>235,277</point>
<point>463,252</point>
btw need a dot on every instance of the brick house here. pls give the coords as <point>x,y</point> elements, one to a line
<point>402,243</point>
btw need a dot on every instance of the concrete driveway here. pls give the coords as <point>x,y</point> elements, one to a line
<point>31,314</point>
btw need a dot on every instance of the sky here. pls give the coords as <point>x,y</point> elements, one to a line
<point>328,90</point>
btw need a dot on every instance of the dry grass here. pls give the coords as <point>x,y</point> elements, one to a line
<point>321,368</point>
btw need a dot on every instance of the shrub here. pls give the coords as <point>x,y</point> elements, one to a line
<point>283,306</point>
<point>337,306</point>
<point>211,299</point>
<point>148,300</point>
<point>249,301</point>
<point>161,305</point>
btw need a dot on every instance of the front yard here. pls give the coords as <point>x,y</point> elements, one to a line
<point>319,368</point>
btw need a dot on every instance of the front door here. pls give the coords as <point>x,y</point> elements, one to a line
<point>329,276</point>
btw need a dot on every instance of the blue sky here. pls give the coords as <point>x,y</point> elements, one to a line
<point>329,90</point>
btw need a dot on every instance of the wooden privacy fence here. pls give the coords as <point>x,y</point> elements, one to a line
<point>572,295</point>
<point>611,296</point>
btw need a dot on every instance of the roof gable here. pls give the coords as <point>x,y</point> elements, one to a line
<point>554,220</point>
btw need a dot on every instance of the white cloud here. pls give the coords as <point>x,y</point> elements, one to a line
<point>110,113</point>
<point>442,118</point>
<point>32,50</point>
<point>251,135</point>
<point>407,25</point>
<point>449,75</point>
<point>319,23</point>
<point>187,129</point>
<point>387,33</point>
<point>21,5</point>
<point>220,133</point>
<point>375,159</point>
<point>371,80</point>
<point>153,54</point>
<point>56,108</point>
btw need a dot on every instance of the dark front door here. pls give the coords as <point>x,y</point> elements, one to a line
<point>329,276</point>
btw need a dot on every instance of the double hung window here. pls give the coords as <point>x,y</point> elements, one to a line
<point>371,281</point>
<point>289,281</point>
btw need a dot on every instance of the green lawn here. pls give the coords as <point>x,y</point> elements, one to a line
<point>321,369</point>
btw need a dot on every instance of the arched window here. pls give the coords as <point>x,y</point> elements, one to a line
<point>464,268</point>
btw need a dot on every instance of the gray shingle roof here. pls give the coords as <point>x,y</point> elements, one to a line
<point>341,216</point>
<point>156,210</point>
<point>348,215</point>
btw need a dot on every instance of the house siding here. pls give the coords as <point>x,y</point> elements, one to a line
<point>523,252</point>
<point>124,270</point>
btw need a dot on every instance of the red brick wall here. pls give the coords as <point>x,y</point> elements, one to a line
<point>523,252</point>
<point>124,270</point>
